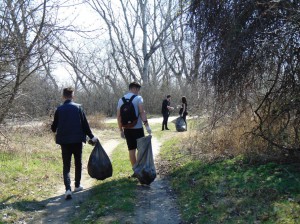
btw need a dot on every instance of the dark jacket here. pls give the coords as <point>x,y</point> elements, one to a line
<point>164,107</point>
<point>70,124</point>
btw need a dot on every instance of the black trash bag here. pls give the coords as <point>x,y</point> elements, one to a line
<point>180,124</point>
<point>144,167</point>
<point>99,165</point>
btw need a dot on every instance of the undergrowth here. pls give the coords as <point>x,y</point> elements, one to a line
<point>231,190</point>
<point>233,136</point>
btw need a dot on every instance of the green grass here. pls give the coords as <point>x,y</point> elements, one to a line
<point>232,191</point>
<point>31,170</point>
<point>115,195</point>
<point>29,163</point>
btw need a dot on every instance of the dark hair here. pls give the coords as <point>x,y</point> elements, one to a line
<point>183,99</point>
<point>68,92</point>
<point>168,96</point>
<point>134,84</point>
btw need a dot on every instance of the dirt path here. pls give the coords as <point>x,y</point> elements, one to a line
<point>157,120</point>
<point>155,203</point>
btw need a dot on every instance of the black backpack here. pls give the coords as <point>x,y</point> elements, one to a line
<point>128,115</point>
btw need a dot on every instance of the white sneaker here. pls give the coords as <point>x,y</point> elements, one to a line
<point>80,188</point>
<point>68,195</point>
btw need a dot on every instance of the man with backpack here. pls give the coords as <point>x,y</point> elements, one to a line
<point>131,116</point>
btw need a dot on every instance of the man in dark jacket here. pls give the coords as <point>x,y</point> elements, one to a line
<point>165,110</point>
<point>71,128</point>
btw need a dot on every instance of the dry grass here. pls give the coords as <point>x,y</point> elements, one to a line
<point>230,138</point>
<point>226,139</point>
<point>15,136</point>
<point>97,121</point>
<point>30,166</point>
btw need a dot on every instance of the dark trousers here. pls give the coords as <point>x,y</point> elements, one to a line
<point>184,118</point>
<point>67,150</point>
<point>165,120</point>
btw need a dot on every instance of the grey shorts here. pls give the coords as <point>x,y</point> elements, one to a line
<point>132,135</point>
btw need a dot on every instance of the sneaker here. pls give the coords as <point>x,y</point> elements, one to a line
<point>80,188</point>
<point>68,195</point>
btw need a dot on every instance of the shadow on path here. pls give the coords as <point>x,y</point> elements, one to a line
<point>58,210</point>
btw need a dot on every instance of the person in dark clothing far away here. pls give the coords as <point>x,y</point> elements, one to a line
<point>183,110</point>
<point>165,110</point>
<point>71,128</point>
<point>131,134</point>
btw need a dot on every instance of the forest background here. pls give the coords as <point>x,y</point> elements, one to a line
<point>237,62</point>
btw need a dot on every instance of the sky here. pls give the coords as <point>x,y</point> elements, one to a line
<point>80,16</point>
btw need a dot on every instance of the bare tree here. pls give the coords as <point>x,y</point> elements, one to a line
<point>255,62</point>
<point>25,32</point>
<point>131,33</point>
<point>181,53</point>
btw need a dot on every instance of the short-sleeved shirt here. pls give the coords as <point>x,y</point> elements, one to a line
<point>136,102</point>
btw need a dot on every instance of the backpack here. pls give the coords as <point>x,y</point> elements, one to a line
<point>127,111</point>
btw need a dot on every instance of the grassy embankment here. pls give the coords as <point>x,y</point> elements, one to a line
<point>232,190</point>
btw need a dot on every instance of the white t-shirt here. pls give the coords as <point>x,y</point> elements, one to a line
<point>136,101</point>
